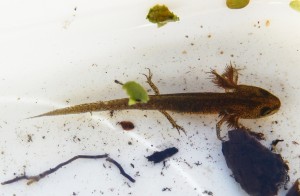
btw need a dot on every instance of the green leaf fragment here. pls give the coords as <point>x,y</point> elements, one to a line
<point>161,15</point>
<point>136,93</point>
<point>295,5</point>
<point>237,4</point>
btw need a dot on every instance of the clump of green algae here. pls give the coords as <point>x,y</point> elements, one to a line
<point>161,15</point>
<point>237,4</point>
<point>295,4</point>
<point>136,93</point>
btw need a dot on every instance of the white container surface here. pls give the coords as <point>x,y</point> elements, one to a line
<point>61,53</point>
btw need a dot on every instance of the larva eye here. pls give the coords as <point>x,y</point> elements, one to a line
<point>265,111</point>
<point>264,92</point>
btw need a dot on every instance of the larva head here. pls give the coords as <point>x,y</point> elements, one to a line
<point>261,102</point>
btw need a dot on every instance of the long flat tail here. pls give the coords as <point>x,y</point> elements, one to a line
<point>118,104</point>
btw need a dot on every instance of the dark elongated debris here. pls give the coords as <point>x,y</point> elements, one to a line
<point>162,155</point>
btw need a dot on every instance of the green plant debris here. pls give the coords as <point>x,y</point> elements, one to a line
<point>161,15</point>
<point>137,94</point>
<point>237,4</point>
<point>295,5</point>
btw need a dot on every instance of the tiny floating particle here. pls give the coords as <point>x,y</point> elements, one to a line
<point>258,170</point>
<point>207,192</point>
<point>29,138</point>
<point>161,15</point>
<point>268,23</point>
<point>162,155</point>
<point>126,125</point>
<point>237,4</point>
<point>166,189</point>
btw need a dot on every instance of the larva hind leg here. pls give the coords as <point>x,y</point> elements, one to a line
<point>165,113</point>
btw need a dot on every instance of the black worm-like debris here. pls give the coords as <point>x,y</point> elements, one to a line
<point>31,179</point>
<point>258,170</point>
<point>162,155</point>
<point>120,168</point>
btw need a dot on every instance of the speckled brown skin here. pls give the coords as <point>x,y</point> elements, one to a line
<point>239,101</point>
<point>243,104</point>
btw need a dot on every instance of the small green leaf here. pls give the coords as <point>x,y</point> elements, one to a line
<point>137,94</point>
<point>161,15</point>
<point>295,5</point>
<point>237,4</point>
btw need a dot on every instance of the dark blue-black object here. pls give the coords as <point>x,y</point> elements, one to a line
<point>162,155</point>
<point>258,170</point>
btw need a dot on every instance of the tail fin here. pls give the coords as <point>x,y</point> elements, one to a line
<point>118,104</point>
